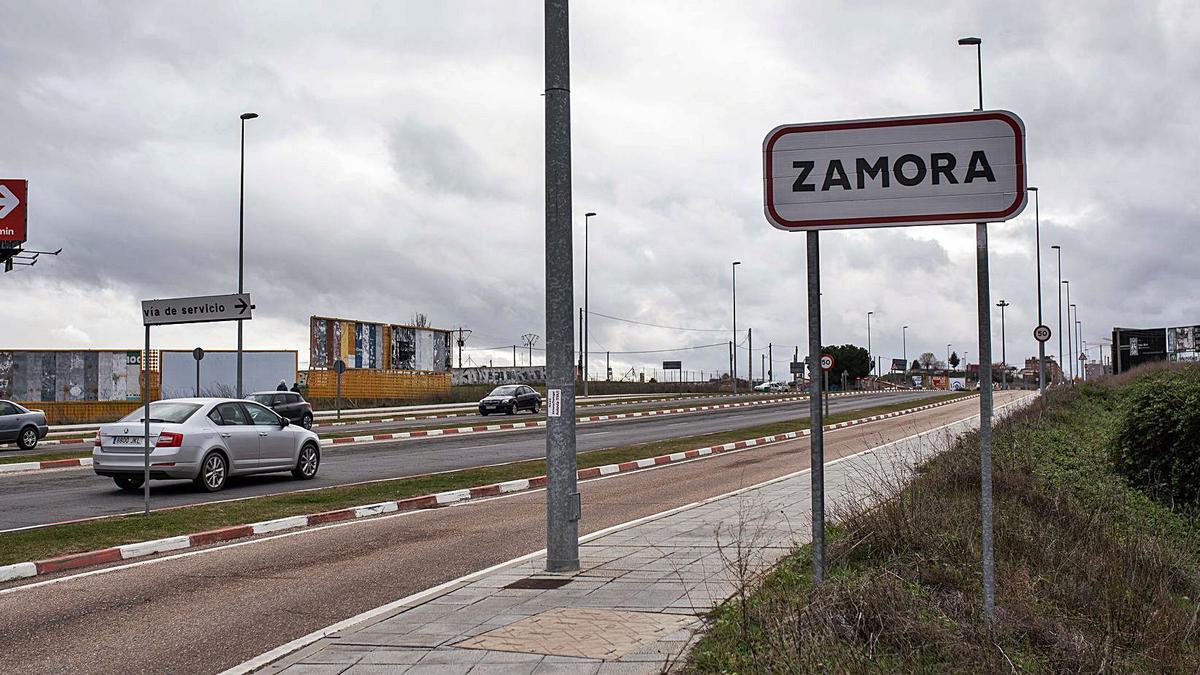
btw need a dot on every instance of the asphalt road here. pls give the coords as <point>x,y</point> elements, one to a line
<point>44,497</point>
<point>203,613</point>
<point>460,419</point>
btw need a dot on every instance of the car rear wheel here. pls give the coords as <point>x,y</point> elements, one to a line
<point>306,421</point>
<point>28,439</point>
<point>483,412</point>
<point>536,406</point>
<point>512,408</point>
<point>308,463</point>
<point>129,483</point>
<point>214,471</point>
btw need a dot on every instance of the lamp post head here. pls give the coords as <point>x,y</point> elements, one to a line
<point>589,214</point>
<point>249,116</point>
<point>1056,246</point>
<point>1031,188</point>
<point>737,262</point>
<point>970,41</point>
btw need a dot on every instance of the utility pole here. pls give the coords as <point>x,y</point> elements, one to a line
<point>770,362</point>
<point>580,343</point>
<point>563,507</point>
<point>733,345</point>
<point>869,343</point>
<point>463,334</point>
<point>904,346</point>
<point>514,356</point>
<point>750,357</point>
<point>531,339</point>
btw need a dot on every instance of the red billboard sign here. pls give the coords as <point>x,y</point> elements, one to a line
<point>13,193</point>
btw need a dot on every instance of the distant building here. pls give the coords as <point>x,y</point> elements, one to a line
<point>1029,374</point>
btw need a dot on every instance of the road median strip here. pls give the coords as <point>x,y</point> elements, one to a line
<point>72,561</point>
<point>16,467</point>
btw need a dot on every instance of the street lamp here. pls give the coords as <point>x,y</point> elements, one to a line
<point>1078,336</point>
<point>733,351</point>
<point>1058,249</point>
<point>977,44</point>
<point>869,342</point>
<point>586,315</point>
<point>904,345</point>
<point>242,242</point>
<point>1070,342</point>
<point>1037,248</point>
<point>1003,347</point>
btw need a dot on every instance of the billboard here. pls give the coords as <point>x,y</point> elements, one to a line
<point>261,371</point>
<point>899,365</point>
<point>1134,346</point>
<point>66,375</point>
<point>13,218</point>
<point>380,346</point>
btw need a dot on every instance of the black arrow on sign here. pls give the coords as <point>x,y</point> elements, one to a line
<point>241,305</point>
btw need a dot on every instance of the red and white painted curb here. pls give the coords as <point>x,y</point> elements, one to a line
<point>48,464</point>
<point>425,433</point>
<point>145,548</point>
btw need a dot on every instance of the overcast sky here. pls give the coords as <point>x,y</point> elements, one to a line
<point>398,167</point>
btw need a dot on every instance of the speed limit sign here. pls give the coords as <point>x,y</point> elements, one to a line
<point>827,362</point>
<point>1041,333</point>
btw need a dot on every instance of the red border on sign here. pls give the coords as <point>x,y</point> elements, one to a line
<point>896,220</point>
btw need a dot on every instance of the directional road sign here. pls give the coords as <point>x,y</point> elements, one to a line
<point>827,362</point>
<point>672,365</point>
<point>1041,333</point>
<point>13,192</point>
<point>797,367</point>
<point>927,170</point>
<point>202,309</point>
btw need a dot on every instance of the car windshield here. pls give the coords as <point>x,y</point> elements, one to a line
<point>164,411</point>
<point>264,399</point>
<point>508,390</point>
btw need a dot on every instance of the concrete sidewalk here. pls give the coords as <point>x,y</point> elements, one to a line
<point>635,605</point>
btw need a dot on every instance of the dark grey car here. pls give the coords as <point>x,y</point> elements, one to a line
<point>287,404</point>
<point>21,425</point>
<point>509,399</point>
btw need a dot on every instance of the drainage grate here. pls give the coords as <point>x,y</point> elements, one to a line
<point>539,583</point>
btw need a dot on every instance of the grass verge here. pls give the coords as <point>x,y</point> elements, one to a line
<point>55,540</point>
<point>1091,574</point>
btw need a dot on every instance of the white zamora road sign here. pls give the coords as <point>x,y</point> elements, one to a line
<point>890,172</point>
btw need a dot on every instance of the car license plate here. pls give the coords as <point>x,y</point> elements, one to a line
<point>128,440</point>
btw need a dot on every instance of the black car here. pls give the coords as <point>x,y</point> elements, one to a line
<point>509,399</point>
<point>288,404</point>
<point>21,425</point>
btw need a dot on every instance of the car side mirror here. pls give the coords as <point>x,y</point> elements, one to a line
<point>283,422</point>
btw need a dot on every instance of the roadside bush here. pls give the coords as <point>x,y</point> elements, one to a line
<point>1157,446</point>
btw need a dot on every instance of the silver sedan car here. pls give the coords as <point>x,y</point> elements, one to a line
<point>206,440</point>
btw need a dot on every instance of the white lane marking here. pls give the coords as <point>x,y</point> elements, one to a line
<point>403,514</point>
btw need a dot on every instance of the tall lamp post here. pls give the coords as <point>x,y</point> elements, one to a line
<point>586,315</point>
<point>1070,342</point>
<point>869,353</point>
<point>1037,229</point>
<point>985,381</point>
<point>1058,249</point>
<point>904,345</point>
<point>733,348</point>
<point>1004,346</point>
<point>947,360</point>
<point>242,242</point>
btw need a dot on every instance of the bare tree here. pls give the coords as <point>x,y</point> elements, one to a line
<point>927,360</point>
<point>420,320</point>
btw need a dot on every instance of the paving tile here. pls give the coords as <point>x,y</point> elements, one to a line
<point>386,656</point>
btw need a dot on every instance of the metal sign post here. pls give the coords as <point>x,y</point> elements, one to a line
<point>198,354</point>
<point>171,311</point>
<point>339,367</point>
<point>562,496</point>
<point>896,172</point>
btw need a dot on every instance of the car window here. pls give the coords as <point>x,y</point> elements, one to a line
<point>507,390</point>
<point>228,414</point>
<point>262,417</point>
<point>279,399</point>
<point>264,399</point>
<point>7,408</point>
<point>164,411</point>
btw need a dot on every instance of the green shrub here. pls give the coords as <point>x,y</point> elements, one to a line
<point>1158,440</point>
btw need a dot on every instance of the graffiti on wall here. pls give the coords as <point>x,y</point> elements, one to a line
<point>498,375</point>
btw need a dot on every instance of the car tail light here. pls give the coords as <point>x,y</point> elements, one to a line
<point>169,439</point>
<point>96,441</point>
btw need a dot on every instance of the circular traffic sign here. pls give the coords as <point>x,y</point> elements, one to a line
<point>827,362</point>
<point>197,353</point>
<point>339,366</point>
<point>1041,333</point>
